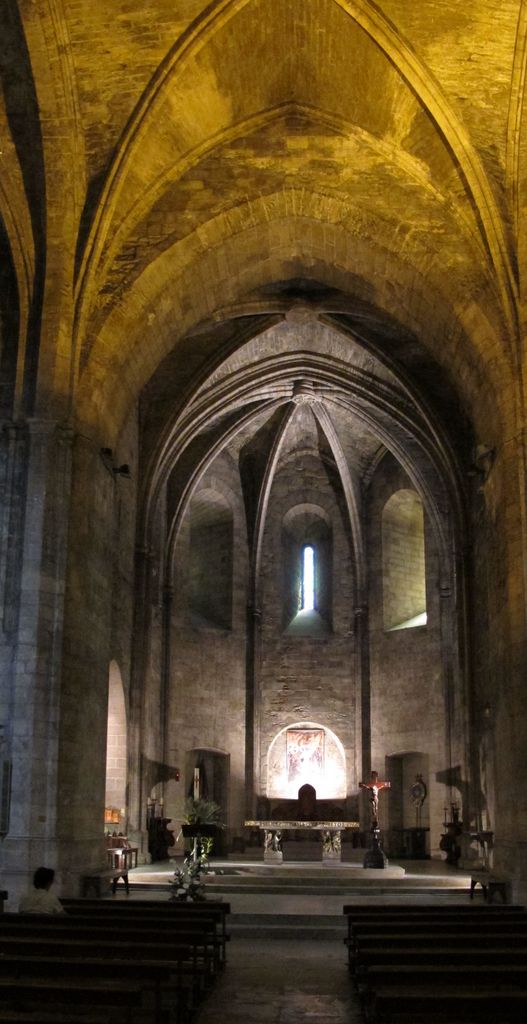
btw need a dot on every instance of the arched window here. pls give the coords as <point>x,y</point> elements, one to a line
<point>308,590</point>
<point>403,561</point>
<point>307,571</point>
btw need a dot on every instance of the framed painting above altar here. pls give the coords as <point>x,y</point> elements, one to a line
<point>304,755</point>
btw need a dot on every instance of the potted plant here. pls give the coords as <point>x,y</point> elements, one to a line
<point>200,818</point>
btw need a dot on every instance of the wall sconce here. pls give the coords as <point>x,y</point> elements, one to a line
<point>107,458</point>
<point>482,461</point>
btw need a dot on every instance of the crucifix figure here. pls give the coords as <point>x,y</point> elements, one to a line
<point>374,785</point>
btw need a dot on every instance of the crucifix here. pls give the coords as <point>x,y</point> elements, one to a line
<point>374,785</point>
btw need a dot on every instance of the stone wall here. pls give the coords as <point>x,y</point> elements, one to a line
<point>207,708</point>
<point>311,678</point>
<point>408,701</point>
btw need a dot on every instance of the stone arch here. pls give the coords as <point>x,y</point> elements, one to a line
<point>210,272</point>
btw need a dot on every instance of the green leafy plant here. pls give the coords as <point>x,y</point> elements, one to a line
<point>201,812</point>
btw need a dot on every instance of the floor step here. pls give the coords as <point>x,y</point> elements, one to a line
<point>298,934</point>
<point>288,926</point>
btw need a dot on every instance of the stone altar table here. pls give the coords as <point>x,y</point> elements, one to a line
<point>330,834</point>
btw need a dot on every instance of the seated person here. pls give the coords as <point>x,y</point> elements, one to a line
<point>40,900</point>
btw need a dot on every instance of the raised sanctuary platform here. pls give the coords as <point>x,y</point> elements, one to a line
<point>306,900</point>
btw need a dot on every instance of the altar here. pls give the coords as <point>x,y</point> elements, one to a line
<point>330,834</point>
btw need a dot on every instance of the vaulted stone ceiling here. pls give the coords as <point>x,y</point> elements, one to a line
<point>176,176</point>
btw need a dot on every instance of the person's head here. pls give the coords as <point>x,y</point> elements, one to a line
<point>43,878</point>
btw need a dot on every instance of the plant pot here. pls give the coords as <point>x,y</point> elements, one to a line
<point>207,831</point>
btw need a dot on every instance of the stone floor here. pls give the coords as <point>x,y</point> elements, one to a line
<point>272,978</point>
<point>276,981</point>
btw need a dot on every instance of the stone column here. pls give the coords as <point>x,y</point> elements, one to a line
<point>363,649</point>
<point>33,593</point>
<point>252,708</point>
<point>86,655</point>
<point>140,656</point>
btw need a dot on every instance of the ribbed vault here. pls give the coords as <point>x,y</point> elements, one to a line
<point>314,390</point>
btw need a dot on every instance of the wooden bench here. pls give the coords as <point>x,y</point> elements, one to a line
<point>491,885</point>
<point>409,918</point>
<point>450,930</point>
<point>439,965</point>
<point>199,943</point>
<point>99,883</point>
<point>443,953</point>
<point>55,1016</point>
<point>29,993</point>
<point>430,909</point>
<point>178,977</point>
<point>192,931</point>
<point>159,981</point>
<point>485,1007</point>
<point>157,910</point>
<point>408,975</point>
<point>152,927</point>
<point>187,951</point>
<point>440,976</point>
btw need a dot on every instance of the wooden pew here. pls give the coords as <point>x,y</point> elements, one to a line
<point>152,926</point>
<point>434,977</point>
<point>442,955</point>
<point>185,969</point>
<point>453,933</point>
<point>408,917</point>
<point>414,964</point>
<point>479,912</point>
<point>157,909</point>
<point>406,975</point>
<point>83,942</point>
<point>365,947</point>
<point>53,1016</point>
<point>158,980</point>
<point>188,930</point>
<point>483,1007</point>
<point>22,992</point>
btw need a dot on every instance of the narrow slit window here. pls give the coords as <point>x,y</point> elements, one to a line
<point>308,579</point>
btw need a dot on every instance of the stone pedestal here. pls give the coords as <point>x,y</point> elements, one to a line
<point>273,856</point>
<point>375,856</point>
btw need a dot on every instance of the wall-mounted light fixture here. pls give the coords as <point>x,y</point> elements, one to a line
<point>483,458</point>
<point>107,459</point>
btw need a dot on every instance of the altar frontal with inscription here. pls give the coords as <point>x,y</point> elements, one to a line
<point>331,835</point>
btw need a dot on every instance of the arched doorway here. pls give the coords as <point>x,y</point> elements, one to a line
<point>207,778</point>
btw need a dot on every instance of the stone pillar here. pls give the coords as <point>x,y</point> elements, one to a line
<point>168,593</point>
<point>140,655</point>
<point>252,709</point>
<point>34,591</point>
<point>86,655</point>
<point>363,649</point>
